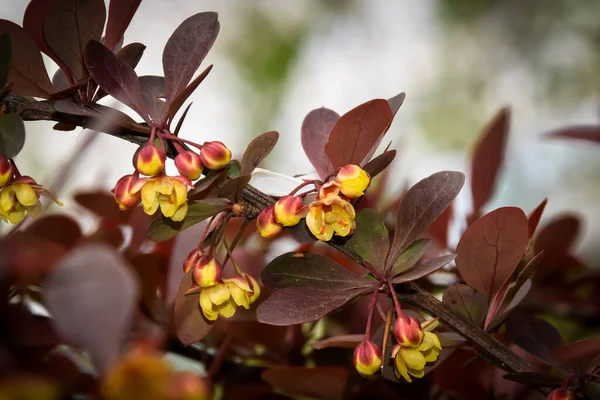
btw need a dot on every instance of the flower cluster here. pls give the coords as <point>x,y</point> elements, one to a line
<point>330,213</point>
<point>19,195</point>
<point>159,191</point>
<point>219,296</point>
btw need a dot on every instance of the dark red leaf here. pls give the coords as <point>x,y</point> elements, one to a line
<point>5,57</point>
<point>132,54</point>
<point>153,93</point>
<point>116,77</point>
<point>319,382</point>
<point>69,27</point>
<point>580,352</point>
<point>357,133</point>
<point>186,49</point>
<point>184,94</point>
<point>558,236</point>
<point>588,133</point>
<point>27,329</point>
<point>466,301</point>
<point>103,205</point>
<point>537,378</point>
<point>438,230</point>
<point>257,150</point>
<point>533,219</point>
<point>370,239</point>
<point>207,185</point>
<point>424,269</point>
<point>487,158</point>
<point>379,163</point>
<point>297,305</point>
<point>491,249</point>
<point>316,127</point>
<point>56,228</point>
<point>189,322</point>
<point>91,295</point>
<point>233,189</point>
<point>311,270</point>
<point>120,13</point>
<point>421,205</point>
<point>534,335</point>
<point>342,341</point>
<point>27,76</point>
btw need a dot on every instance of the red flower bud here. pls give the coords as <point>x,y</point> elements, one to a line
<point>561,394</point>
<point>150,160</point>
<point>266,224</point>
<point>367,358</point>
<point>192,259</point>
<point>215,155</point>
<point>7,170</point>
<point>408,331</point>
<point>188,164</point>
<point>127,191</point>
<point>286,210</point>
<point>207,271</point>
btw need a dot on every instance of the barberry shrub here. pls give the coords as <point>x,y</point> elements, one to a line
<point>352,313</point>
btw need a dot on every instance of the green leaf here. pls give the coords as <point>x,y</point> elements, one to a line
<point>466,301</point>
<point>370,239</point>
<point>12,134</point>
<point>234,169</point>
<point>409,257</point>
<point>162,228</point>
<point>5,57</point>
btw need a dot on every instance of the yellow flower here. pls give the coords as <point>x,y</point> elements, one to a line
<point>168,193</point>
<point>266,224</point>
<point>150,160</point>
<point>22,197</point>
<point>409,361</point>
<point>224,297</point>
<point>367,358</point>
<point>330,214</point>
<point>353,181</point>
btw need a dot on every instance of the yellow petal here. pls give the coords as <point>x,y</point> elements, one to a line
<point>167,205</point>
<point>239,296</point>
<point>180,192</point>
<point>431,355</point>
<point>400,369</point>
<point>180,213</point>
<point>149,198</point>
<point>14,217</point>
<point>25,194</point>
<point>227,309</point>
<point>34,210</point>
<point>413,358</point>
<point>219,294</point>
<point>417,373</point>
<point>7,198</point>
<point>207,306</point>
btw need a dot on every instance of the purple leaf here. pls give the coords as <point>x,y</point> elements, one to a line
<point>533,219</point>
<point>466,301</point>
<point>233,189</point>
<point>91,294</point>
<point>116,77</point>
<point>184,94</point>
<point>379,163</point>
<point>341,341</point>
<point>69,27</point>
<point>370,239</point>
<point>421,205</point>
<point>190,324</point>
<point>186,49</point>
<point>313,271</point>
<point>327,383</point>
<point>12,134</point>
<point>534,335</point>
<point>588,133</point>
<point>487,158</point>
<point>556,239</point>
<point>27,75</point>
<point>410,256</point>
<point>581,352</point>
<point>257,150</point>
<point>424,269</point>
<point>120,13</point>
<point>132,53</point>
<point>297,305</point>
<point>153,94</point>
<point>357,133</point>
<point>491,249</point>
<point>316,127</point>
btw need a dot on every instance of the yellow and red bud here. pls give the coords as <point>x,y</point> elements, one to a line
<point>408,331</point>
<point>192,259</point>
<point>561,394</point>
<point>353,180</point>
<point>188,164</point>
<point>127,191</point>
<point>286,210</point>
<point>150,160</point>
<point>266,224</point>
<point>207,271</point>
<point>215,155</point>
<point>367,358</point>
<point>7,170</point>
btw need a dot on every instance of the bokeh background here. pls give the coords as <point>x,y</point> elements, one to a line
<point>459,61</point>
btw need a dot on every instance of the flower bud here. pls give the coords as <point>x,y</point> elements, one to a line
<point>254,286</point>
<point>266,224</point>
<point>6,171</point>
<point>207,271</point>
<point>188,164</point>
<point>286,210</point>
<point>367,358</point>
<point>150,160</point>
<point>353,180</point>
<point>127,191</point>
<point>561,394</point>
<point>408,331</point>
<point>192,259</point>
<point>215,155</point>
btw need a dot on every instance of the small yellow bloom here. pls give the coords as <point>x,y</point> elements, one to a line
<point>408,331</point>
<point>224,297</point>
<point>150,160</point>
<point>330,214</point>
<point>409,361</point>
<point>286,210</point>
<point>168,193</point>
<point>367,358</point>
<point>353,181</point>
<point>22,197</point>
<point>207,271</point>
<point>266,224</point>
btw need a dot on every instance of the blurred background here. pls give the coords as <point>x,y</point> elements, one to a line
<point>458,61</point>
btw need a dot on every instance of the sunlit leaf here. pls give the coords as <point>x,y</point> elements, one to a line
<point>425,268</point>
<point>410,256</point>
<point>120,13</point>
<point>379,163</point>
<point>370,239</point>
<point>257,150</point>
<point>316,127</point>
<point>273,183</point>
<point>190,324</point>
<point>12,134</point>
<point>466,301</point>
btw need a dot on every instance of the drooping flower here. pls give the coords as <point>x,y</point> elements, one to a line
<point>215,155</point>
<point>224,297</point>
<point>188,164</point>
<point>167,192</point>
<point>22,197</point>
<point>367,358</point>
<point>7,171</point>
<point>150,160</point>
<point>207,271</point>
<point>266,224</point>
<point>330,214</point>
<point>353,180</point>
<point>127,191</point>
<point>286,210</point>
<point>408,331</point>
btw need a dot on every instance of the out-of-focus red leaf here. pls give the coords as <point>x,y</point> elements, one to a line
<point>342,341</point>
<point>153,93</point>
<point>115,76</point>
<point>91,294</point>
<point>456,376</point>
<point>466,301</point>
<point>27,75</point>
<point>103,205</point>
<point>28,259</point>
<point>120,13</point>
<point>588,133</point>
<point>581,352</point>
<point>317,382</point>
<point>316,127</point>
<point>132,54</point>
<point>421,205</point>
<point>534,335</point>
<point>487,158</point>
<point>69,27</point>
<point>379,163</point>
<point>533,219</point>
<point>257,150</point>
<point>27,329</point>
<point>438,230</point>
<point>556,239</point>
<point>56,228</point>
<point>425,268</point>
<point>535,378</point>
<point>190,324</point>
<point>357,133</point>
<point>184,94</point>
<point>186,49</point>
<point>491,248</point>
<point>370,239</point>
